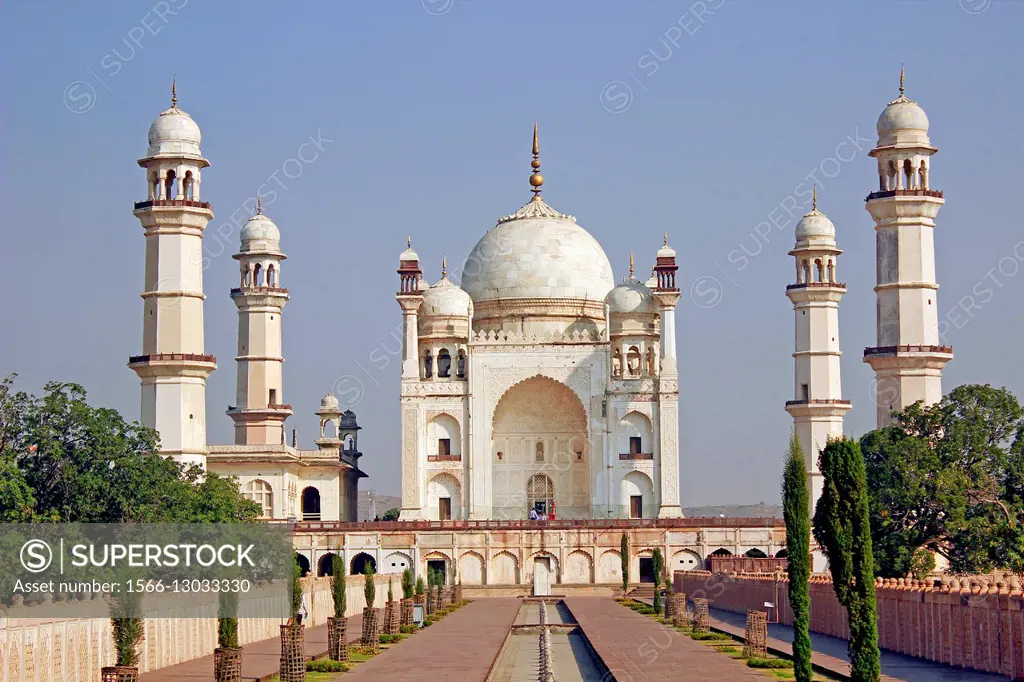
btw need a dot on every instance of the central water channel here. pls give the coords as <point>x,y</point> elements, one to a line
<point>546,645</point>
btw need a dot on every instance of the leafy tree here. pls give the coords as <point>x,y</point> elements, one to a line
<point>842,528</point>
<point>624,558</point>
<point>338,587</point>
<point>658,563</point>
<point>369,589</point>
<point>922,563</point>
<point>62,460</point>
<point>796,505</point>
<point>420,588</point>
<point>391,514</point>
<point>948,478</point>
<point>407,583</point>
<point>129,628</point>
<point>296,589</point>
<point>227,623</point>
<point>391,593</point>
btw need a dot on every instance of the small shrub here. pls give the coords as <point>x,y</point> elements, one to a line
<point>407,629</point>
<point>326,665</point>
<point>388,639</point>
<point>709,636</point>
<point>769,663</point>
<point>427,622</point>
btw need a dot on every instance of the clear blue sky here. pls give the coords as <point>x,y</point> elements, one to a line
<point>429,107</point>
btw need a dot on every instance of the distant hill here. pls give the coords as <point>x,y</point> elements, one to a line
<point>733,510</point>
<point>384,502</point>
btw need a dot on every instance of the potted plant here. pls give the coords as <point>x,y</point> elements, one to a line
<point>128,631</point>
<point>390,611</point>
<point>407,590</point>
<point>371,621</point>
<point>227,657</point>
<point>421,597</point>
<point>293,645</point>
<point>337,626</point>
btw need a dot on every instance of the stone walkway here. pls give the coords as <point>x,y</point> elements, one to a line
<point>636,647</point>
<point>830,653</point>
<point>260,659</point>
<point>461,646</point>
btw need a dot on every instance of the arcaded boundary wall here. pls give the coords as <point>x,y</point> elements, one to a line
<point>74,650</point>
<point>977,625</point>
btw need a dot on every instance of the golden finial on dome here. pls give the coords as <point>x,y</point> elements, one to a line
<point>444,266</point>
<point>259,205</point>
<point>814,200</point>
<point>901,80</point>
<point>666,239</point>
<point>408,241</point>
<point>631,265</point>
<point>174,92</point>
<point>536,179</point>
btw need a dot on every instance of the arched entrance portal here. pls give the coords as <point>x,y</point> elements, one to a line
<point>360,562</point>
<point>311,504</point>
<point>540,427</point>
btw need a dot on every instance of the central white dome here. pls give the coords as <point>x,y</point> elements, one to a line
<point>537,253</point>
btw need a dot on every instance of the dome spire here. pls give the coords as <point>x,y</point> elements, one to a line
<point>814,201</point>
<point>901,80</point>
<point>444,266</point>
<point>408,241</point>
<point>259,204</point>
<point>174,92</point>
<point>631,265</point>
<point>536,179</point>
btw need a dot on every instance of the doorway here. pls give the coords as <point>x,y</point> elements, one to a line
<point>310,504</point>
<point>636,506</point>
<point>444,510</point>
<point>646,570</point>
<point>542,577</point>
<point>438,566</point>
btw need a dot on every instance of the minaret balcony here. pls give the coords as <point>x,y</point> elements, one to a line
<point>172,364</point>
<point>883,351</point>
<point>819,285</point>
<point>241,291</point>
<point>826,401</point>
<point>887,193</point>
<point>176,203</point>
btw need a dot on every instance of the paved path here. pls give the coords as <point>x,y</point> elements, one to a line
<point>830,653</point>
<point>636,647</point>
<point>259,659</point>
<point>461,647</point>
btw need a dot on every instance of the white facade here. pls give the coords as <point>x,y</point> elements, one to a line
<point>173,365</point>
<point>522,388</point>
<point>908,358</point>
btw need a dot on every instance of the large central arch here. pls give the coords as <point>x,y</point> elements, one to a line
<point>539,426</point>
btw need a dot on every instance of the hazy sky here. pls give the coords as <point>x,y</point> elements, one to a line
<point>652,119</point>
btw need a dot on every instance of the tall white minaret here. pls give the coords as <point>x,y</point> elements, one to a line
<point>409,297</point>
<point>260,411</point>
<point>908,359</point>
<point>173,366</point>
<point>666,293</point>
<point>817,406</point>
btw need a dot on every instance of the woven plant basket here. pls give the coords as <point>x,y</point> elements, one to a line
<point>337,639</point>
<point>293,653</point>
<point>227,664</point>
<point>120,673</point>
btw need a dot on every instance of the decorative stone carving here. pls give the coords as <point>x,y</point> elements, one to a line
<point>410,474</point>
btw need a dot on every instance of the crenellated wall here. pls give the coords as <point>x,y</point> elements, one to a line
<point>978,625</point>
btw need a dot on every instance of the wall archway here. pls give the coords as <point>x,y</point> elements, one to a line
<point>637,483</point>
<point>325,564</point>
<point>471,569</point>
<point>444,427</point>
<point>579,568</point>
<point>310,504</point>
<point>359,563</point>
<point>442,486</point>
<point>504,569</point>
<point>396,562</point>
<point>686,560</point>
<point>609,569</point>
<point>539,425</point>
<point>635,425</point>
<point>303,562</point>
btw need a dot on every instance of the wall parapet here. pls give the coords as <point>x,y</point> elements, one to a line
<point>975,623</point>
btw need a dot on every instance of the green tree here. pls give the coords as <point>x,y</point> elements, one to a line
<point>338,587</point>
<point>391,514</point>
<point>658,564</point>
<point>62,460</point>
<point>391,593</point>
<point>842,528</point>
<point>128,628</point>
<point>624,558</point>
<point>369,589</point>
<point>227,623</point>
<point>948,478</point>
<point>420,588</point>
<point>296,589</point>
<point>407,583</point>
<point>796,506</point>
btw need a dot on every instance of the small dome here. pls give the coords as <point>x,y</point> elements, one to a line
<point>329,402</point>
<point>445,298</point>
<point>260,234</point>
<point>631,297</point>
<point>408,255</point>
<point>901,114</point>
<point>815,224</point>
<point>174,133</point>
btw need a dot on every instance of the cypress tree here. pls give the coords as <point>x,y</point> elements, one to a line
<point>796,504</point>
<point>227,624</point>
<point>407,583</point>
<point>296,589</point>
<point>843,530</point>
<point>369,589</point>
<point>624,555</point>
<point>658,564</point>
<point>338,587</point>
<point>420,588</point>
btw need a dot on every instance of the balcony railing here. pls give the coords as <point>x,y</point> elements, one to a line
<point>444,458</point>
<point>826,401</point>
<point>893,350</point>
<point>237,291</point>
<point>886,193</point>
<point>636,455</point>
<point>808,285</point>
<point>170,357</point>
<point>310,516</point>
<point>172,202</point>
